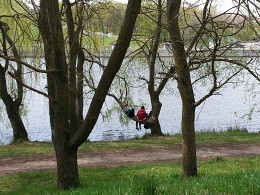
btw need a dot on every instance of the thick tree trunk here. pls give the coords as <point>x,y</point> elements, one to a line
<point>65,133</point>
<point>67,173</point>
<point>67,166</point>
<point>59,89</point>
<point>154,123</point>
<point>189,159</point>
<point>155,127</point>
<point>19,131</point>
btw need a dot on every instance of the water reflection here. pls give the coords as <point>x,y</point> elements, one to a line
<point>217,113</point>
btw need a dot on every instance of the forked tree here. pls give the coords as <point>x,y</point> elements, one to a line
<point>144,69</point>
<point>67,133</point>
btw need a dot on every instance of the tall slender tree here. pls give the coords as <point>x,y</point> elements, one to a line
<point>152,60</point>
<point>186,91</point>
<point>207,56</point>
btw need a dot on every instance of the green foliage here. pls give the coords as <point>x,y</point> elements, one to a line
<point>22,28</point>
<point>99,43</point>
<point>227,176</point>
<point>104,17</point>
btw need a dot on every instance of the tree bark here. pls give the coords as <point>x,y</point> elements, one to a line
<point>19,131</point>
<point>12,104</point>
<point>154,123</point>
<point>66,135</point>
<point>58,88</point>
<point>189,159</point>
<point>80,85</point>
<point>113,66</point>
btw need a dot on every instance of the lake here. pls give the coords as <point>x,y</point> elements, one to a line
<point>218,113</point>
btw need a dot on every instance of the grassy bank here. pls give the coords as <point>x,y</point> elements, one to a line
<point>216,176</point>
<point>164,141</point>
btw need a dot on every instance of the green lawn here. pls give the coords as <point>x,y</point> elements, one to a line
<point>164,141</point>
<point>218,176</point>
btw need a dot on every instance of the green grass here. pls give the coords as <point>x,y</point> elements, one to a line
<point>26,148</point>
<point>227,137</point>
<point>233,176</point>
<point>163,141</point>
<point>217,176</point>
<point>169,141</point>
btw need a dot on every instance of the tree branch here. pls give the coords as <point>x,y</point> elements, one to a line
<point>28,87</point>
<point>28,65</point>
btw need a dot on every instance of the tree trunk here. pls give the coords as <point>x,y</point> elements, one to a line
<point>80,85</point>
<point>65,134</point>
<point>19,131</point>
<point>114,63</point>
<point>58,88</point>
<point>154,123</point>
<point>189,159</point>
<point>67,166</point>
<point>155,127</point>
<point>67,173</point>
<point>12,104</point>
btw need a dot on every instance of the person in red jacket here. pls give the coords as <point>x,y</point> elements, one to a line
<point>141,115</point>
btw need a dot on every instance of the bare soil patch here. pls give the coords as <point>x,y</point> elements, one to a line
<point>29,163</point>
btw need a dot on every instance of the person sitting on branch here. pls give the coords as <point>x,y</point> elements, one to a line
<point>129,112</point>
<point>141,115</point>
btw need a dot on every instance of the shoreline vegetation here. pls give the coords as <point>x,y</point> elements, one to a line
<point>236,175</point>
<point>231,136</point>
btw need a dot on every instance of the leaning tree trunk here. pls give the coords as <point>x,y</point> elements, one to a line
<point>189,159</point>
<point>113,65</point>
<point>12,104</point>
<point>19,131</point>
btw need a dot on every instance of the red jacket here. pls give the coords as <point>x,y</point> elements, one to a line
<point>141,114</point>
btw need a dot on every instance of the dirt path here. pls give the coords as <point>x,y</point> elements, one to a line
<point>27,163</point>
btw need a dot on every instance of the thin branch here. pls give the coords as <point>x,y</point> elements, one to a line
<point>28,87</point>
<point>28,65</point>
<point>165,79</point>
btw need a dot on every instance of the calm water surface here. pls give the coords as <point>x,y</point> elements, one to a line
<point>217,113</point>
